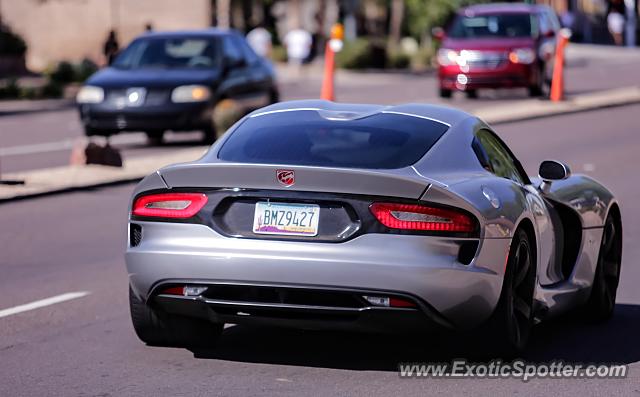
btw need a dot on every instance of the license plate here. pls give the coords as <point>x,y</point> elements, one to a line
<point>286,219</point>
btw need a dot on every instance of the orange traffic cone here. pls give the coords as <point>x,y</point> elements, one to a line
<point>327,91</point>
<point>557,83</point>
<point>334,45</point>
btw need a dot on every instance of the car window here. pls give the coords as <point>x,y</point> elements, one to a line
<point>304,137</point>
<point>232,51</point>
<point>548,22</point>
<point>178,52</point>
<point>545,24</point>
<point>493,25</point>
<point>496,158</point>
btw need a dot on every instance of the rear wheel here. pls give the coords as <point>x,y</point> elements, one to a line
<point>510,325</point>
<point>602,300</point>
<point>162,329</point>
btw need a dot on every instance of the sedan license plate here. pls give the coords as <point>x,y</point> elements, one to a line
<point>286,219</point>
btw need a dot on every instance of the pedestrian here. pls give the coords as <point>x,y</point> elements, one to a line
<point>259,39</point>
<point>298,43</point>
<point>111,47</point>
<point>616,19</point>
<point>148,28</point>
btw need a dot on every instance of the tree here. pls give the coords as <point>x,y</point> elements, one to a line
<point>422,15</point>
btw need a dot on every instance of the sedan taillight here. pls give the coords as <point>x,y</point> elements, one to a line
<point>169,205</point>
<point>422,218</point>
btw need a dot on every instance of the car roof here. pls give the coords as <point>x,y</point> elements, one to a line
<point>212,32</point>
<point>503,8</point>
<point>346,111</point>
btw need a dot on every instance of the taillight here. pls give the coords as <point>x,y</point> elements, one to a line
<point>169,205</point>
<point>423,218</point>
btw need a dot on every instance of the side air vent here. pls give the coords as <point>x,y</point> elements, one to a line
<point>135,234</point>
<point>467,252</point>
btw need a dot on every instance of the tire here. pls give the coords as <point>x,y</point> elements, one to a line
<point>155,138</point>
<point>444,93</point>
<point>542,86</point>
<point>510,325</point>
<point>209,134</point>
<point>602,300</point>
<point>88,131</point>
<point>535,91</point>
<point>162,329</point>
<point>274,96</point>
<point>471,94</point>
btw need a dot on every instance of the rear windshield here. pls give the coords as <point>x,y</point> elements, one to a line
<point>306,138</point>
<point>178,52</point>
<point>492,25</point>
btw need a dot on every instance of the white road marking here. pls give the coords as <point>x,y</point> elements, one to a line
<point>589,167</point>
<point>43,303</point>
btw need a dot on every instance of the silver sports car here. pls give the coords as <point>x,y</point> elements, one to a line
<point>321,215</point>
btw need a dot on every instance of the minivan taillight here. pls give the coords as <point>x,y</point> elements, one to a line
<point>169,205</point>
<point>422,218</point>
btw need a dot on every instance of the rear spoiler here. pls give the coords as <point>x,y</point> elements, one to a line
<point>404,182</point>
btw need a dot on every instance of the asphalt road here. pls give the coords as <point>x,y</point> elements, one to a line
<point>86,346</point>
<point>40,140</point>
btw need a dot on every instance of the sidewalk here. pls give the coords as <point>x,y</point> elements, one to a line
<point>61,179</point>
<point>31,106</point>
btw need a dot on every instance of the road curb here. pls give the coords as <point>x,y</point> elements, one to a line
<point>76,178</point>
<point>534,109</point>
<point>11,108</point>
<point>73,178</point>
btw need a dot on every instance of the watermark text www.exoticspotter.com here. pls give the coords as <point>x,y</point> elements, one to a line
<point>518,369</point>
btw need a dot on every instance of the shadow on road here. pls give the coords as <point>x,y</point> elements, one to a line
<point>567,339</point>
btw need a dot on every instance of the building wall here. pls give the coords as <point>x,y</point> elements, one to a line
<point>71,30</point>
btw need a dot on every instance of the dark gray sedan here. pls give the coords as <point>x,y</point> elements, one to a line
<point>173,81</point>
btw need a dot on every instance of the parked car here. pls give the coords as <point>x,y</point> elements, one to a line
<point>385,219</point>
<point>497,45</point>
<point>173,81</point>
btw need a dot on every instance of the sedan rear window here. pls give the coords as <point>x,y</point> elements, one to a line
<point>304,137</point>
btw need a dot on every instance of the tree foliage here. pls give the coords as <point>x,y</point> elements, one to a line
<point>422,15</point>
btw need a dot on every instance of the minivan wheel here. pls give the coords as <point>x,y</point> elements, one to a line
<point>445,93</point>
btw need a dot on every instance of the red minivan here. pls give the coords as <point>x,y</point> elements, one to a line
<point>496,46</point>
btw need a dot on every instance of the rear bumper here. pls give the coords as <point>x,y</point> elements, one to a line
<point>424,268</point>
<point>106,120</point>
<point>508,76</point>
<point>361,319</point>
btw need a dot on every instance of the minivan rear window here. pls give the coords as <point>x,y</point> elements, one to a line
<point>304,137</point>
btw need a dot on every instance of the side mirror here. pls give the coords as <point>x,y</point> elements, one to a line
<point>551,170</point>
<point>437,33</point>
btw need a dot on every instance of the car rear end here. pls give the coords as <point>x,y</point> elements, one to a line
<point>330,244</point>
